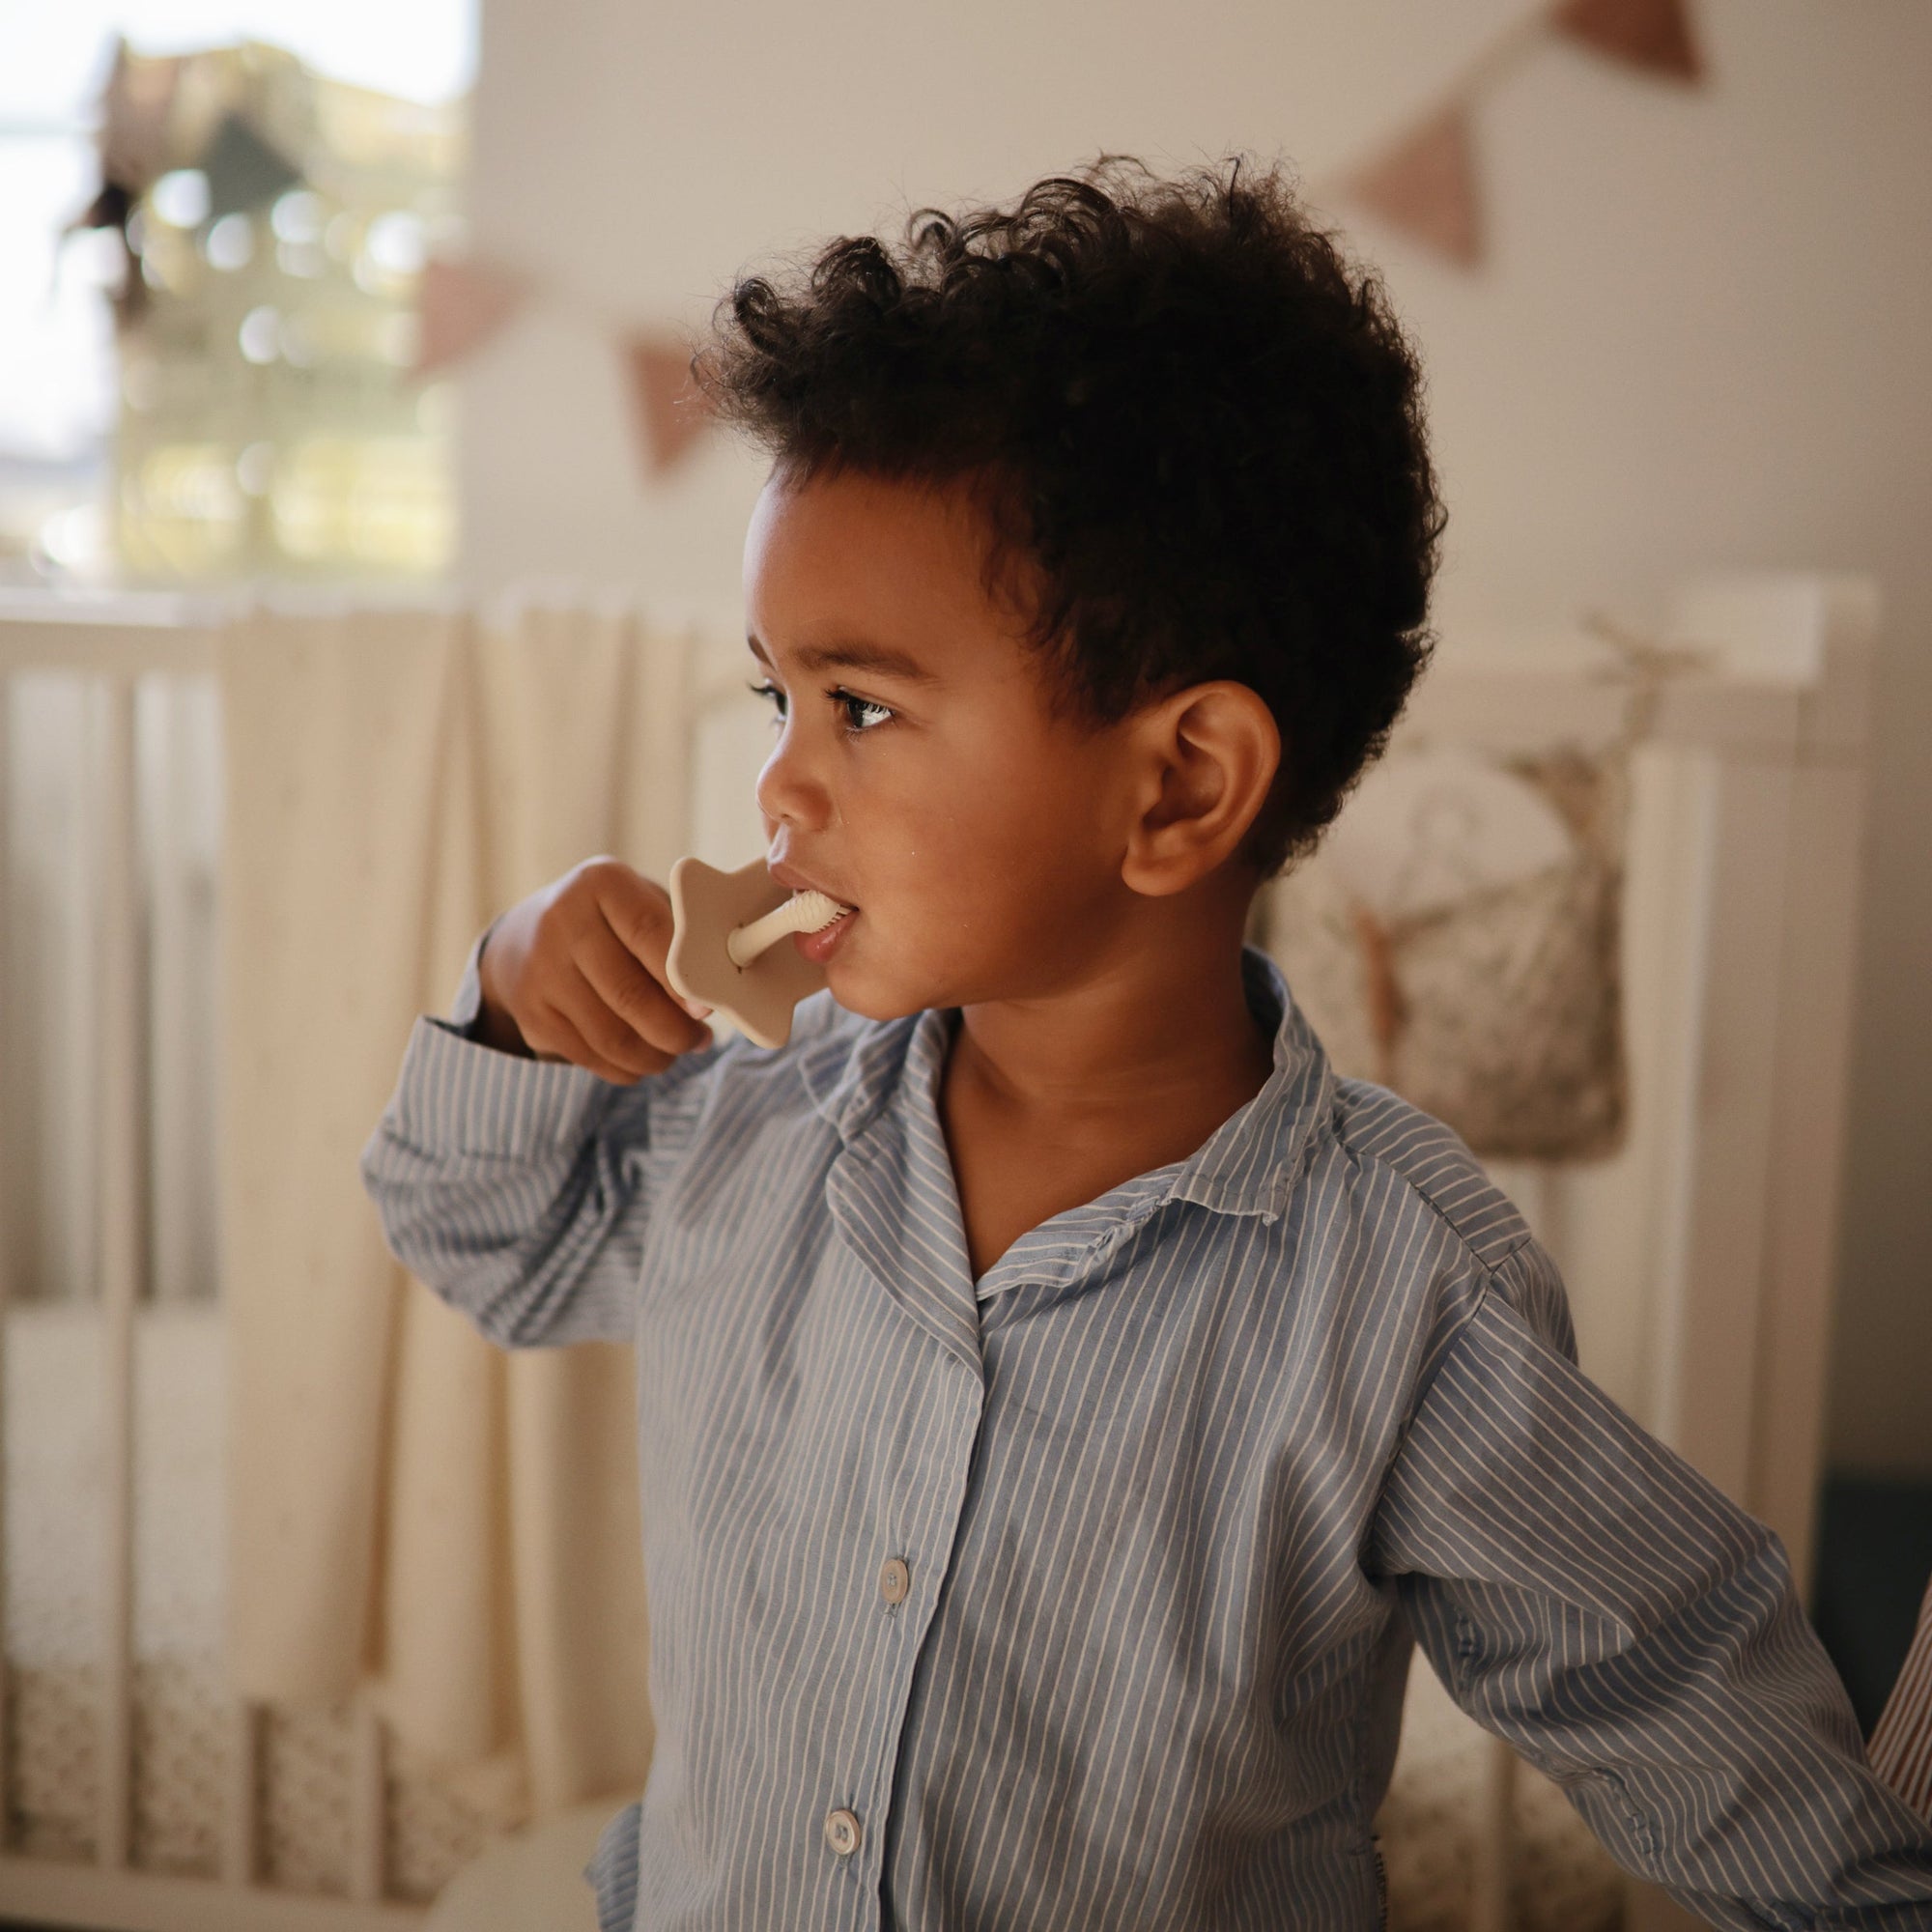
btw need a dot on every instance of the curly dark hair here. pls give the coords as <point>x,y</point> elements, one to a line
<point>1175,402</point>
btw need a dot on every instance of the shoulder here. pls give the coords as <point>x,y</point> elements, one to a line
<point>1411,1190</point>
<point>1419,1169</point>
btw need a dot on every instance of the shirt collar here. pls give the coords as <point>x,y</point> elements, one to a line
<point>1251,1162</point>
<point>1248,1165</point>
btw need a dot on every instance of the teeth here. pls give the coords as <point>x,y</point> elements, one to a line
<point>803,912</point>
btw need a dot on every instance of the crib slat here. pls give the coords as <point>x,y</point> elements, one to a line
<point>117,1031</point>
<point>1495,1841</point>
<point>176,721</point>
<point>8,1128</point>
<point>367,1808</point>
<point>238,1822</point>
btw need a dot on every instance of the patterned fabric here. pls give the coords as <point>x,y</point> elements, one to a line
<point>1901,1746</point>
<point>1082,1594</point>
<point>1500,1012</point>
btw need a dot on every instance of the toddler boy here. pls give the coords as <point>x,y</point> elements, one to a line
<point>1061,1399</point>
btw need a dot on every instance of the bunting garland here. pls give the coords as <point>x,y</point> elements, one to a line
<point>462,306</point>
<point>1423,183</point>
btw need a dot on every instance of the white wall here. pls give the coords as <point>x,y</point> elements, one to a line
<point>1700,340</point>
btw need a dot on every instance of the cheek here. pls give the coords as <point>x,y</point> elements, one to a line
<point>1009,839</point>
<point>983,816</point>
<point>978,867</point>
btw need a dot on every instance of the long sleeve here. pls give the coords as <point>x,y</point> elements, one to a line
<point>520,1191</point>
<point>1587,1595</point>
<point>1901,1746</point>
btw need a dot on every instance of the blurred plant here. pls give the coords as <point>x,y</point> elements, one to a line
<point>275,224</point>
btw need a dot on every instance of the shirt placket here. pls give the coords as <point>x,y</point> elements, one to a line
<point>899,1597</point>
<point>888,1202</point>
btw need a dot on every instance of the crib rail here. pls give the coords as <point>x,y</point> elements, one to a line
<point>115,643</point>
<point>56,1893</point>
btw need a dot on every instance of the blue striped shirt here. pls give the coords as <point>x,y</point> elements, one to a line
<point>1083,1594</point>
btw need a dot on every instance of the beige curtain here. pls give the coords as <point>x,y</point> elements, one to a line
<point>412,1511</point>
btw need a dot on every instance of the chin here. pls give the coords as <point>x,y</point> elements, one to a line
<point>875,996</point>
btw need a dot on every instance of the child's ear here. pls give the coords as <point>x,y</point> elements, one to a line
<point>1206,758</point>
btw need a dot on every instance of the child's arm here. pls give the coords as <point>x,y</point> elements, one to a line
<point>1587,1595</point>
<point>520,1188</point>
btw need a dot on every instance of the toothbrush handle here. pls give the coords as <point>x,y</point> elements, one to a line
<point>745,943</point>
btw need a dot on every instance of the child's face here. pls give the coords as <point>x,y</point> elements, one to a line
<point>917,772</point>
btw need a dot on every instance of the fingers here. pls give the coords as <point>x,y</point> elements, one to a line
<point>607,1035</point>
<point>637,911</point>
<point>590,988</point>
<point>650,1010</point>
<point>561,1039</point>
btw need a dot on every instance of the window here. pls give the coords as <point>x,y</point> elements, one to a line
<point>228,391</point>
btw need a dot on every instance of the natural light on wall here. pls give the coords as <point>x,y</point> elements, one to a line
<point>222,366</point>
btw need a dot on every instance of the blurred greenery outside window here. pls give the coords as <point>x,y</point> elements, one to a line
<point>261,412</point>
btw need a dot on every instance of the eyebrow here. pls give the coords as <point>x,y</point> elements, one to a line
<point>854,654</point>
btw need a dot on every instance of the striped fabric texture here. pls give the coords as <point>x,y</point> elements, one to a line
<point>1901,1746</point>
<point>1083,1595</point>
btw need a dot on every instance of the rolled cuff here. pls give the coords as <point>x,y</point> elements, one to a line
<point>467,1008</point>
<point>456,1094</point>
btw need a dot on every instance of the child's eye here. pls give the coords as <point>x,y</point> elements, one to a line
<point>862,714</point>
<point>769,690</point>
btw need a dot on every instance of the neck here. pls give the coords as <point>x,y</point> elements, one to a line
<point>1156,1029</point>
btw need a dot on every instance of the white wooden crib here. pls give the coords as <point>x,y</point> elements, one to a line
<point>136,1796</point>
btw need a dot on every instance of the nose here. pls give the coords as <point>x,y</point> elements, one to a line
<point>789,790</point>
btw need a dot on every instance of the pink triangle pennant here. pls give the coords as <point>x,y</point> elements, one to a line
<point>460,305</point>
<point>1654,35</point>
<point>1425,187</point>
<point>668,410</point>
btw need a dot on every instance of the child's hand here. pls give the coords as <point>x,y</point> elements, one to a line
<point>577,972</point>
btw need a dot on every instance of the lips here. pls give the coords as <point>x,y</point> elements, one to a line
<point>818,947</point>
<point>796,881</point>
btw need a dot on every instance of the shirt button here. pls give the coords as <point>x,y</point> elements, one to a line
<point>843,1831</point>
<point>894,1581</point>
